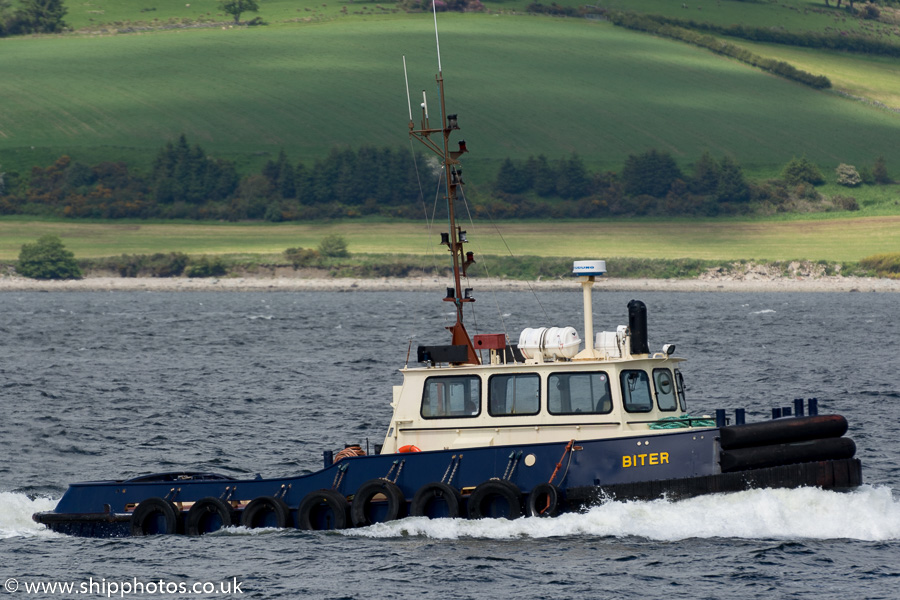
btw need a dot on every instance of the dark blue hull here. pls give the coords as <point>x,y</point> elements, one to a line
<point>673,464</point>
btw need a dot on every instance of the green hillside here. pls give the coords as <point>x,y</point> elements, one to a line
<point>522,85</point>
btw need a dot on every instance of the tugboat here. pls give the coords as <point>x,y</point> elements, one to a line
<point>486,428</point>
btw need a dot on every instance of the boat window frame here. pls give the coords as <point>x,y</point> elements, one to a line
<point>673,392</point>
<point>622,389</point>
<point>431,378</point>
<point>679,387</point>
<point>579,373</point>
<point>528,374</point>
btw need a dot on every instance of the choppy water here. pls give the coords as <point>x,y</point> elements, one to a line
<point>101,385</point>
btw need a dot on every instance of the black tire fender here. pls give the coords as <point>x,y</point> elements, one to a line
<point>361,508</point>
<point>495,498</point>
<point>155,516</point>
<point>543,501</point>
<point>266,511</point>
<point>202,516</point>
<point>436,492</point>
<point>322,510</point>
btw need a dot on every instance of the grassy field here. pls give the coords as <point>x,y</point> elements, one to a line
<point>814,238</point>
<point>792,15</point>
<point>788,15</point>
<point>98,15</point>
<point>872,77</point>
<point>246,93</point>
<point>876,78</point>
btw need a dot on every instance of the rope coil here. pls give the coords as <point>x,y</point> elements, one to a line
<point>349,452</point>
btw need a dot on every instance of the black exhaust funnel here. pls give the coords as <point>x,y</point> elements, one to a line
<point>637,323</point>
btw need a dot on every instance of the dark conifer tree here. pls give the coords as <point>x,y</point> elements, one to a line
<point>705,180</point>
<point>732,185</point>
<point>650,174</point>
<point>545,177</point>
<point>880,172</point>
<point>573,181</point>
<point>509,179</point>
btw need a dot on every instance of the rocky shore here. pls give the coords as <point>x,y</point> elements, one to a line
<point>708,282</point>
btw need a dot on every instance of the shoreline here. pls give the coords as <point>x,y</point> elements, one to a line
<point>704,283</point>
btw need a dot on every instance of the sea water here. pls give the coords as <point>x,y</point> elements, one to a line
<point>113,385</point>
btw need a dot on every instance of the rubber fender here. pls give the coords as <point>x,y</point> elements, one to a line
<point>361,512</point>
<point>775,455</point>
<point>322,510</point>
<point>155,516</point>
<point>495,499</point>
<point>437,500</point>
<point>207,515</point>
<point>543,501</point>
<point>266,511</point>
<point>782,431</point>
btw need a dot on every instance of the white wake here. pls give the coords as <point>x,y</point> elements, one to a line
<point>808,513</point>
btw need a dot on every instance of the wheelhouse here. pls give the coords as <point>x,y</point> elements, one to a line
<point>440,408</point>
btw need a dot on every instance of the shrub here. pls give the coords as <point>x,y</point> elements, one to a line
<point>204,267</point>
<point>847,175</point>
<point>884,265</point>
<point>553,9</point>
<point>801,170</point>
<point>869,11</point>
<point>879,171</point>
<point>865,174</point>
<point>301,257</point>
<point>156,265</point>
<point>333,246</point>
<point>845,202</point>
<point>167,265</point>
<point>47,259</point>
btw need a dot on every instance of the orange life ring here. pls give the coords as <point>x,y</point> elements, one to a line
<point>408,448</point>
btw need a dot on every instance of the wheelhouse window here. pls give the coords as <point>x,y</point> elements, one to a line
<point>665,389</point>
<point>578,393</point>
<point>451,397</point>
<point>636,391</point>
<point>510,395</point>
<point>679,384</point>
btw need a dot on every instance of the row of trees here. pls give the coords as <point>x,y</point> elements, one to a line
<point>652,173</point>
<point>661,26</point>
<point>652,183</point>
<point>185,182</point>
<point>834,40</point>
<point>441,5</point>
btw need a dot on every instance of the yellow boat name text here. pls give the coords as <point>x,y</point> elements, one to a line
<point>642,460</point>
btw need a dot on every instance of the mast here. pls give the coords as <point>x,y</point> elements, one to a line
<point>456,237</point>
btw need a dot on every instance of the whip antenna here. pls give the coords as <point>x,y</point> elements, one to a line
<point>437,40</point>
<point>408,100</point>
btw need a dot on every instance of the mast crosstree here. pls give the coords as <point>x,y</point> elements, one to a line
<point>456,237</point>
